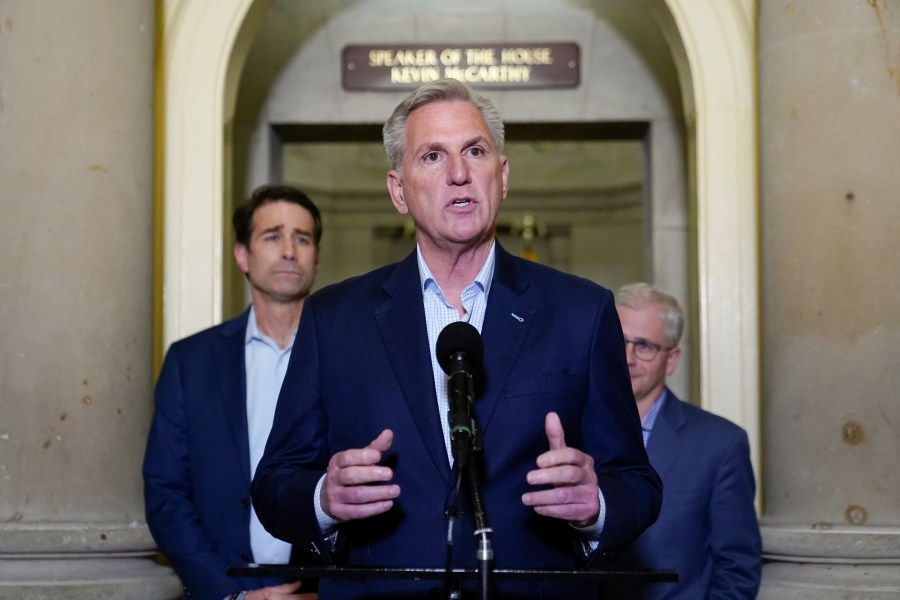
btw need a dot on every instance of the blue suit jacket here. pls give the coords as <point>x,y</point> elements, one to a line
<point>361,363</point>
<point>707,528</point>
<point>197,463</point>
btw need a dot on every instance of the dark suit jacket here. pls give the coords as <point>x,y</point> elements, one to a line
<point>197,463</point>
<point>707,528</point>
<point>361,363</point>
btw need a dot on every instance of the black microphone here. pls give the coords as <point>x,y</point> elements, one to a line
<point>459,351</point>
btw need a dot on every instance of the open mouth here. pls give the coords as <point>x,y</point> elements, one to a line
<point>461,202</point>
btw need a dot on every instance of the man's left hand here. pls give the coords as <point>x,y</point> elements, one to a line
<point>574,496</point>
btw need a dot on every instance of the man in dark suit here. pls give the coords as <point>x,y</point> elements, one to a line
<point>358,466</point>
<point>215,399</point>
<point>707,528</point>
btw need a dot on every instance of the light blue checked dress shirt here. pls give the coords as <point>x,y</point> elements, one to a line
<point>439,313</point>
<point>650,418</point>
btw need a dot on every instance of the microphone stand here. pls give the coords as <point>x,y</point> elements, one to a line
<point>485,552</point>
<point>459,348</point>
<point>466,454</point>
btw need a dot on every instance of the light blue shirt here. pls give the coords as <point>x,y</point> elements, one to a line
<point>265,365</point>
<point>649,419</point>
<point>439,313</point>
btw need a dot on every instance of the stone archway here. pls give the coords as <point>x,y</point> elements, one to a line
<point>203,46</point>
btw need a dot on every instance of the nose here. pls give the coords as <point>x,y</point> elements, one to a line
<point>288,249</point>
<point>458,171</point>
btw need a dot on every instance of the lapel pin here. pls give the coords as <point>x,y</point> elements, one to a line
<point>518,318</point>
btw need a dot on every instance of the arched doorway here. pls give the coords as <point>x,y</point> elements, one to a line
<point>205,41</point>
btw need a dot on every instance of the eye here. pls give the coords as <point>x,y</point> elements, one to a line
<point>431,157</point>
<point>476,151</point>
<point>643,346</point>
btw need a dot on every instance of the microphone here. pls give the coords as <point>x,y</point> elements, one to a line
<point>459,351</point>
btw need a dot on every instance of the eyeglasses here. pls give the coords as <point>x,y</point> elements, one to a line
<point>644,350</point>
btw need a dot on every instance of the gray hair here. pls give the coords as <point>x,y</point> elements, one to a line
<point>638,296</point>
<point>442,90</point>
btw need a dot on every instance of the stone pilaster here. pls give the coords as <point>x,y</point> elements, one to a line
<point>830,142</point>
<point>76,141</point>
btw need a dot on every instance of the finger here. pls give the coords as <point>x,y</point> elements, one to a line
<point>579,504</point>
<point>349,502</point>
<point>358,484</point>
<point>359,475</point>
<point>358,502</point>
<point>559,496</point>
<point>369,455</point>
<point>578,514</point>
<point>383,442</point>
<point>554,429</point>
<point>558,474</point>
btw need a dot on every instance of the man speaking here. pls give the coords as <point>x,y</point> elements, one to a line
<point>359,464</point>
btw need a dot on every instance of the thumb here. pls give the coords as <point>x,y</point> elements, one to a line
<point>554,429</point>
<point>383,442</point>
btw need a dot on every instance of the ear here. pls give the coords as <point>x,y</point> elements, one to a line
<point>240,257</point>
<point>673,360</point>
<point>504,165</point>
<point>395,188</point>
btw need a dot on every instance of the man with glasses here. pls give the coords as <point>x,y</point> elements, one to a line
<point>707,528</point>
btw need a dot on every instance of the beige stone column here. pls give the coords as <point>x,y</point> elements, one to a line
<point>830,174</point>
<point>76,199</point>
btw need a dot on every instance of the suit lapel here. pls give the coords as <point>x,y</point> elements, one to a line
<point>665,439</point>
<point>230,369</point>
<point>401,321</point>
<point>506,323</point>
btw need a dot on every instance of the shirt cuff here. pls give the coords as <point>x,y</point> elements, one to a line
<point>591,533</point>
<point>326,523</point>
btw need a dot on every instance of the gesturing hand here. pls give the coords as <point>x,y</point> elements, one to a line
<point>347,494</point>
<point>574,496</point>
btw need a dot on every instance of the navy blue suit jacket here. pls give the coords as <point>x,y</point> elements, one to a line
<point>197,463</point>
<point>707,528</point>
<point>361,363</point>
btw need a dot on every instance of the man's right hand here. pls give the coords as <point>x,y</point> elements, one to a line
<point>347,493</point>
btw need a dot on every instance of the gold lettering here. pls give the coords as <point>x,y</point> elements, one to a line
<point>454,73</point>
<point>376,58</point>
<point>518,74</point>
<point>480,56</point>
<point>414,74</point>
<point>526,56</point>
<point>422,57</point>
<point>450,56</point>
<point>489,74</point>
